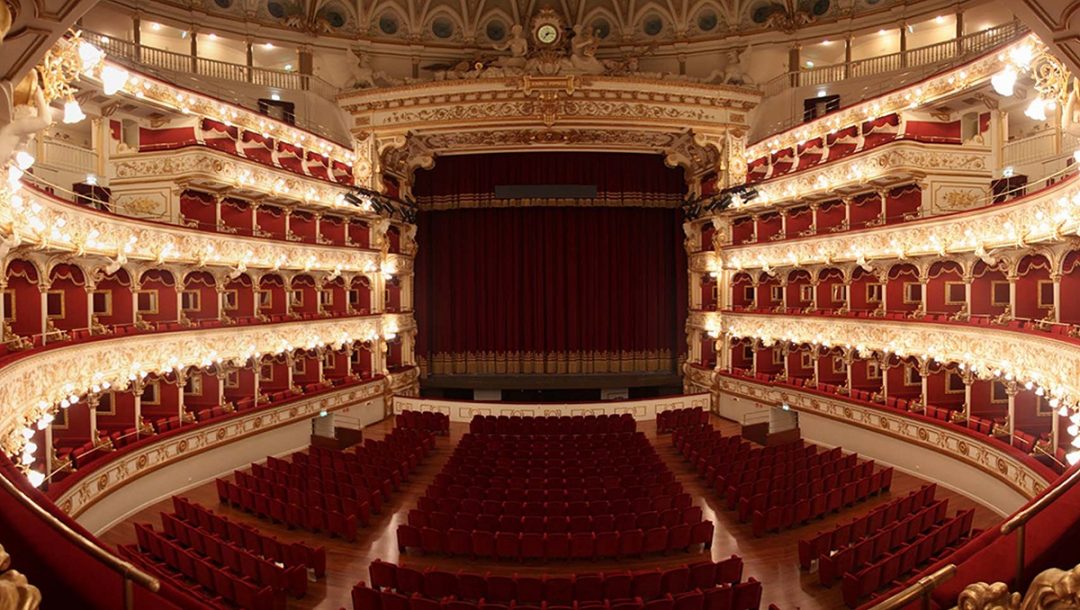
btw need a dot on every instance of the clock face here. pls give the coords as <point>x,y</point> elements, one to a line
<point>547,33</point>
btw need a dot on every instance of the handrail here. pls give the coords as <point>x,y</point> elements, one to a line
<point>127,570</point>
<point>920,589</point>
<point>1018,521</point>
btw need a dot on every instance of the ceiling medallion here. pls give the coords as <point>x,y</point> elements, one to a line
<point>788,17</point>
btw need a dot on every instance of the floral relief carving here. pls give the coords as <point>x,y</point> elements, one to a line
<point>1046,362</point>
<point>1048,216</point>
<point>35,219</point>
<point>29,387</point>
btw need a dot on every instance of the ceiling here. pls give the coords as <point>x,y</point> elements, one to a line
<point>1057,23</point>
<point>486,22</point>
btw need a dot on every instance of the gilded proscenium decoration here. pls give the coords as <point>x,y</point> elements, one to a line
<point>943,85</point>
<point>594,102</point>
<point>1047,216</point>
<point>99,482</point>
<point>985,456</point>
<point>1048,363</point>
<point>882,163</point>
<point>31,386</point>
<point>29,218</point>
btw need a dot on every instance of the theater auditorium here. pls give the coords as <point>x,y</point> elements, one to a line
<point>539,304</point>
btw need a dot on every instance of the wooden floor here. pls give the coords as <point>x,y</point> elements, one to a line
<point>771,559</point>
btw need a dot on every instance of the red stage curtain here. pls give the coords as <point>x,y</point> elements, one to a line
<point>550,290</point>
<point>469,181</point>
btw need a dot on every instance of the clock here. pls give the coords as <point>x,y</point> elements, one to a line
<point>547,33</point>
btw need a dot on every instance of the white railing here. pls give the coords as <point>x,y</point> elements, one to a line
<point>930,55</point>
<point>1036,147</point>
<point>213,68</point>
<point>64,156</point>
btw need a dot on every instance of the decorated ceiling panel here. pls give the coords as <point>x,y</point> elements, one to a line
<point>472,22</point>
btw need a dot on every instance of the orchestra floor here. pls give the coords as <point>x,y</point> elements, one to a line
<point>771,559</point>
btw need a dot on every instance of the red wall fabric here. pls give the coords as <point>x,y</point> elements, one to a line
<point>620,179</point>
<point>550,290</point>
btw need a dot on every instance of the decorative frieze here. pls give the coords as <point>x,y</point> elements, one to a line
<point>465,411</point>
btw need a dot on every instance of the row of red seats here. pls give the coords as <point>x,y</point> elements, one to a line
<point>764,478</point>
<point>651,502</point>
<point>331,495</point>
<point>259,569</point>
<point>556,480</point>
<point>391,470</point>
<point>902,561</point>
<point>552,524</point>
<point>743,596</point>
<point>315,518</point>
<point>299,480</point>
<point>825,542</point>
<point>875,545</point>
<point>431,421</point>
<point>582,545</point>
<point>202,577</point>
<point>251,538</point>
<point>566,424</point>
<point>646,584</point>
<point>747,464</point>
<point>458,494</point>
<point>666,421</point>
<point>788,488</point>
<point>792,513</point>
<point>516,449</point>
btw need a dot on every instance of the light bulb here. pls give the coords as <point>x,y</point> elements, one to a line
<point>27,433</point>
<point>1023,56</point>
<point>1076,442</point>
<point>1004,82</point>
<point>27,459</point>
<point>72,112</point>
<point>30,447</point>
<point>1064,412</point>
<point>113,79</point>
<point>1036,110</point>
<point>89,55</point>
<point>1073,430</point>
<point>91,179</point>
<point>35,477</point>
<point>14,177</point>
<point>24,160</point>
<point>1073,458</point>
<point>1076,155</point>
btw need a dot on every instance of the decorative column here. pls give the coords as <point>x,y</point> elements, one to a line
<point>217,202</point>
<point>815,356</point>
<point>847,55</point>
<point>883,196</point>
<point>194,36</point>
<point>755,349</point>
<point>305,57</point>
<point>43,291</point>
<point>181,381</point>
<point>814,205</point>
<point>349,348</point>
<point>959,31</point>
<point>1056,278</point>
<point>794,64</point>
<point>1012,389</point>
<point>723,353</point>
<point>814,283</point>
<point>848,356</point>
<point>783,223</point>
<point>221,375</point>
<point>968,278</point>
<point>89,288</point>
<point>318,227</point>
<point>903,43</point>
<point>1012,276</point>
<point>256,365</point>
<point>179,288</point>
<point>290,359</point>
<point>883,366</point>
<point>92,402</point>
<point>757,228</point>
<point>320,355</point>
<point>137,388</point>
<point>924,381</point>
<point>219,290</point>
<point>783,293</point>
<point>847,212</point>
<point>969,379</point>
<point>250,53</point>
<point>847,294</point>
